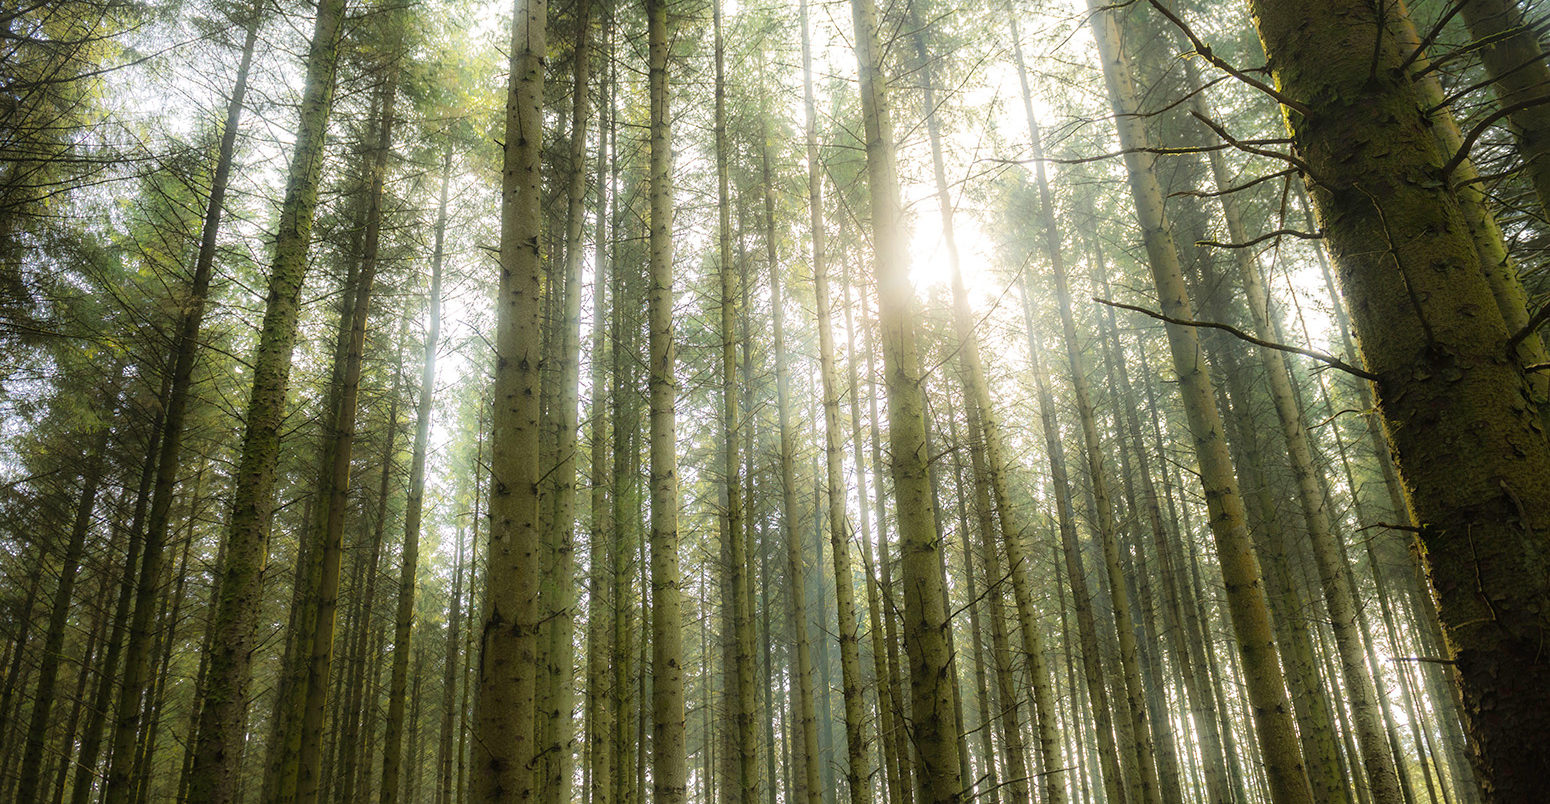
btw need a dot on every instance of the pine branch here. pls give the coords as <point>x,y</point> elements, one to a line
<point>1327,359</point>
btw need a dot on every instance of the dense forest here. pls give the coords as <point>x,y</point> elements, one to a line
<point>774,401</point>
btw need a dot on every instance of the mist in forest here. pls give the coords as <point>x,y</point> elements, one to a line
<point>774,401</point>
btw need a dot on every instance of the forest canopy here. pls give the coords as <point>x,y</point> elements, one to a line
<point>774,401</point>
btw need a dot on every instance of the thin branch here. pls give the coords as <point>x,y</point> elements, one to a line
<point>1534,323</point>
<point>1327,359</point>
<point>1484,125</point>
<point>1249,146</point>
<point>1390,526</point>
<point>1230,190</point>
<point>1262,238</point>
<point>1206,53</point>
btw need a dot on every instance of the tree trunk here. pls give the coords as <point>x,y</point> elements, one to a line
<point>1342,603</point>
<point>1109,733</point>
<point>505,706</point>
<point>59,614</point>
<point>1240,570</point>
<point>1187,660</point>
<point>414,503</point>
<point>858,767</point>
<point>887,706</point>
<point>744,760</point>
<point>603,557</point>
<point>1469,444</point>
<point>924,625</point>
<point>1515,60</point>
<point>224,713</point>
<point>669,763</point>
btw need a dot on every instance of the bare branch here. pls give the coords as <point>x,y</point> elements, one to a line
<point>1484,125</point>
<point>1206,53</point>
<point>1262,238</point>
<point>1327,359</point>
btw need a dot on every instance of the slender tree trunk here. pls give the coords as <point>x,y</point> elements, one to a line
<point>172,605</point>
<point>603,556</point>
<point>89,659</point>
<point>224,713</point>
<point>1342,604</point>
<point>1014,754</point>
<point>807,785</point>
<point>887,707</point>
<point>1109,734</point>
<point>509,656</point>
<point>924,625</point>
<point>1240,570</point>
<point>449,681</point>
<point>414,503</point>
<point>91,737</point>
<point>306,161</point>
<point>27,786</point>
<point>1139,744</point>
<point>557,679</point>
<point>1514,57</point>
<point>353,773</point>
<point>1470,450</point>
<point>669,765</point>
<point>988,783</point>
<point>744,760</point>
<point>301,768</point>
<point>1186,658</point>
<point>858,767</point>
<point>882,562</point>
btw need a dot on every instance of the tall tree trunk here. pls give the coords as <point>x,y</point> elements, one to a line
<point>307,158</point>
<point>669,764</point>
<point>320,660</point>
<point>353,772</point>
<point>1109,734</point>
<point>414,503</point>
<point>988,782</point>
<point>224,713</point>
<point>1470,448</point>
<point>27,786</point>
<point>744,761</point>
<point>1514,57</point>
<point>807,784</point>
<point>1240,570</point>
<point>887,703</point>
<point>603,555</point>
<point>1014,753</point>
<point>924,625</point>
<point>882,564</point>
<point>91,737</point>
<point>1176,616</point>
<point>858,767</point>
<point>557,679</point>
<point>1140,736</point>
<point>445,759</point>
<point>505,706</point>
<point>1342,603</point>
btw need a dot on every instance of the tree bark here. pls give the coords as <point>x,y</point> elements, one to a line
<point>1470,448</point>
<point>924,625</point>
<point>504,710</point>
<point>669,765</point>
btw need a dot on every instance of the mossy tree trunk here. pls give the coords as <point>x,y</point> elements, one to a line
<point>223,714</point>
<point>1469,445</point>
